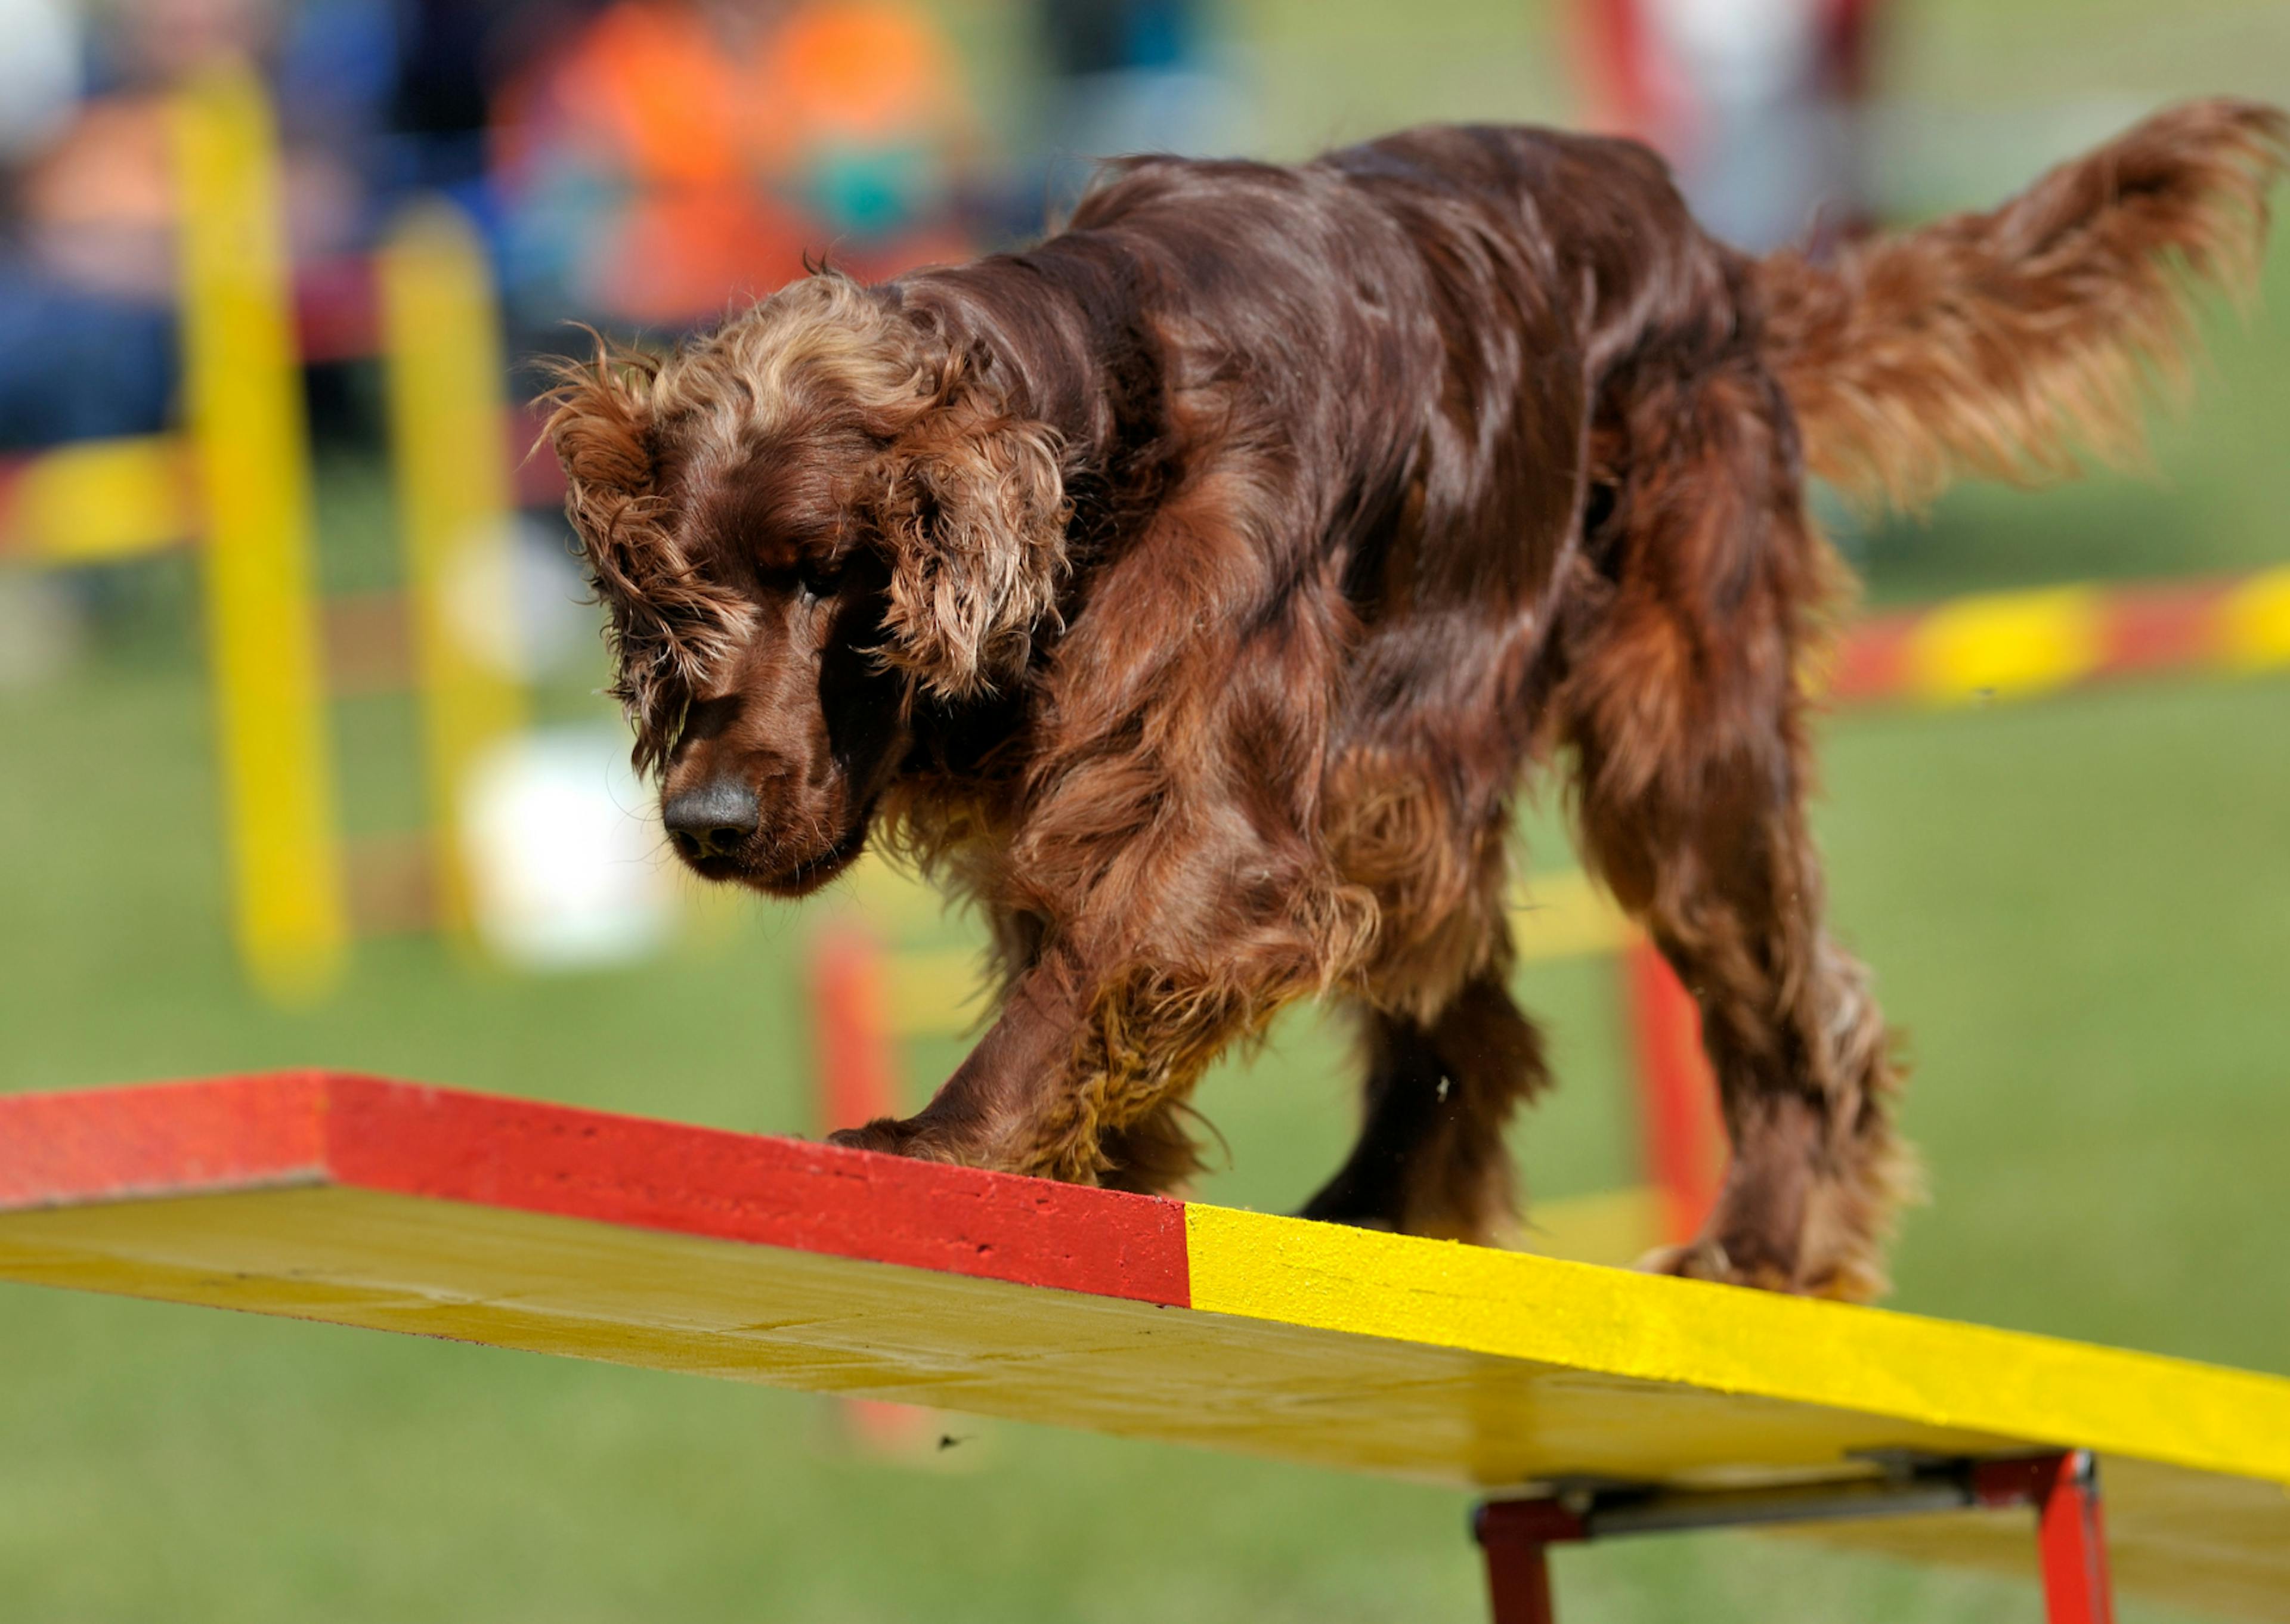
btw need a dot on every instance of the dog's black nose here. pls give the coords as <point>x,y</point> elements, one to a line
<point>711,819</point>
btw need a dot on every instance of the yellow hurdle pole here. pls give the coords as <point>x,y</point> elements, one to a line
<point>243,387</point>
<point>447,391</point>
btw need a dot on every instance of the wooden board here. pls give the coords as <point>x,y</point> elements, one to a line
<point>535,1227</point>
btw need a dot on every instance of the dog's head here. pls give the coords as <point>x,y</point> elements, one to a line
<point>795,523</point>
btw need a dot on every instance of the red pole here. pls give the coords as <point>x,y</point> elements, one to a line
<point>1683,1141</point>
<point>858,1082</point>
<point>857,1062</point>
<point>1616,69</point>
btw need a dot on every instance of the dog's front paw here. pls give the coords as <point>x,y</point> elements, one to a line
<point>1849,1280</point>
<point>1695,1260</point>
<point>1707,1258</point>
<point>894,1136</point>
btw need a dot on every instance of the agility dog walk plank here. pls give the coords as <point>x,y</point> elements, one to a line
<point>366,1203</point>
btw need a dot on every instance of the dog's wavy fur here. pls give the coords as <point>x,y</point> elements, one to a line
<point>1194,591</point>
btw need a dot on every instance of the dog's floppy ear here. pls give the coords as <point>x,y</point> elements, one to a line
<point>972,508</point>
<point>669,627</point>
<point>600,426</point>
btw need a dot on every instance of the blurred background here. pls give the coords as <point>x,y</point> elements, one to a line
<point>301,761</point>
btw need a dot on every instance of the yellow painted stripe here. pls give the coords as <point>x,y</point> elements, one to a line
<point>2005,644</point>
<point>245,393</point>
<point>1614,1322</point>
<point>2255,623</point>
<point>444,374</point>
<point>102,499</point>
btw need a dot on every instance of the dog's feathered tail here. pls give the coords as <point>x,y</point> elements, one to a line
<point>2011,344</point>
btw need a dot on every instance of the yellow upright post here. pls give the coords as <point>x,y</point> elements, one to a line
<point>252,451</point>
<point>446,383</point>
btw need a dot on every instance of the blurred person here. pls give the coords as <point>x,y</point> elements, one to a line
<point>86,345</point>
<point>59,350</point>
<point>87,287</point>
<point>1756,103</point>
<point>332,68</point>
<point>681,154</point>
<point>454,59</point>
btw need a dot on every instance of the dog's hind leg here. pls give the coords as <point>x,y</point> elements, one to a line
<point>1430,1158</point>
<point>1682,700</point>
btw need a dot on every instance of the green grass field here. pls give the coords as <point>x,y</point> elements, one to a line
<point>2078,908</point>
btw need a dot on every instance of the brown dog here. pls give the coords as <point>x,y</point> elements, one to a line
<point>1192,591</point>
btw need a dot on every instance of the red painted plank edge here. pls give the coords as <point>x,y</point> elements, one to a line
<point>164,1138</point>
<point>324,1127</point>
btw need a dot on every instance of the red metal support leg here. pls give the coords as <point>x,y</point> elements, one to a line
<point>2072,1534</point>
<point>2070,1530</point>
<point>1517,1535</point>
<point>2062,1489</point>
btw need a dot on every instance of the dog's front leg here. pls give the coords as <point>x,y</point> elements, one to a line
<point>992,1110</point>
<point>1084,1077</point>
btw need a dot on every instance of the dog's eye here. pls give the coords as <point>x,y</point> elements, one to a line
<point>820,577</point>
